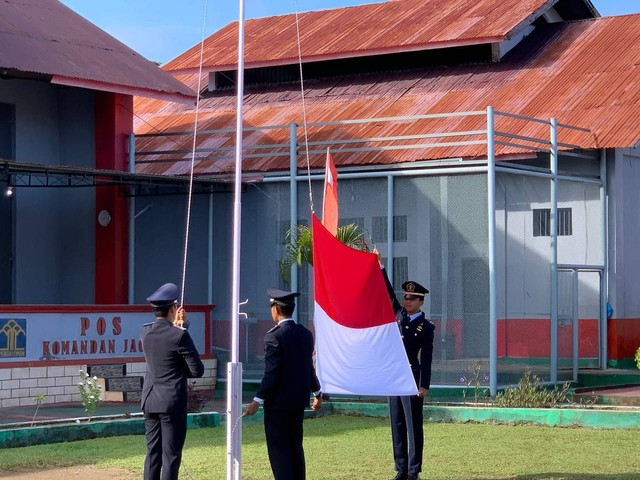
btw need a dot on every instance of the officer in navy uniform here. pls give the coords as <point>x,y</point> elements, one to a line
<point>171,358</point>
<point>286,387</point>
<point>405,412</point>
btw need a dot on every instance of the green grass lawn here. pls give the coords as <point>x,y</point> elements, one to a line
<point>341,448</point>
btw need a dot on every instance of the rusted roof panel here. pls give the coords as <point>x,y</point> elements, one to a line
<point>584,73</point>
<point>392,26</point>
<point>45,37</point>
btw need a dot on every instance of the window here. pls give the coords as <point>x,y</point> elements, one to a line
<point>542,222</point>
<point>379,227</point>
<point>400,272</point>
<point>359,221</point>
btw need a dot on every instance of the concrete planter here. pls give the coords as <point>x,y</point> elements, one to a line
<point>556,417</point>
<point>22,435</point>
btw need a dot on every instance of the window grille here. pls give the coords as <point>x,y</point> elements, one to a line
<point>542,222</point>
<point>348,220</point>
<point>379,227</point>
<point>400,272</point>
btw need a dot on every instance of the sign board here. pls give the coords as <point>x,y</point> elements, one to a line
<point>64,333</point>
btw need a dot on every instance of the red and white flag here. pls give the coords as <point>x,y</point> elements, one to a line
<point>359,350</point>
<point>330,203</point>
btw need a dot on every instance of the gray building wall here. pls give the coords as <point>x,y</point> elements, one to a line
<point>54,238</point>
<point>160,229</point>
<point>624,232</point>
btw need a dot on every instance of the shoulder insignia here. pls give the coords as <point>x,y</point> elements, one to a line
<point>148,324</point>
<point>274,329</point>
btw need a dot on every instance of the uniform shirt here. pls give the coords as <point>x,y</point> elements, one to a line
<point>289,375</point>
<point>171,358</point>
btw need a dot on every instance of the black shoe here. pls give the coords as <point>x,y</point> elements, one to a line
<point>400,476</point>
<point>413,477</point>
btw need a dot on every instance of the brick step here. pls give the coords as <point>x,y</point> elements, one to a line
<point>123,384</point>
<point>107,370</point>
<point>121,396</point>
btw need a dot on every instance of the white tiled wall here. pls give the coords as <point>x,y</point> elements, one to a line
<point>18,386</point>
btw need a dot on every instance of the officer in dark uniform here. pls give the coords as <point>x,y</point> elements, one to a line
<point>286,387</point>
<point>171,358</point>
<point>405,412</point>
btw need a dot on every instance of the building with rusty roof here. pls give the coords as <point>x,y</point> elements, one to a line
<point>66,110</point>
<point>488,148</point>
<point>66,116</point>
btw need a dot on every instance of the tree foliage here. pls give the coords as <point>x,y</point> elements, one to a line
<point>298,248</point>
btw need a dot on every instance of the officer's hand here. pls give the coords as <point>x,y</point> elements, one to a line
<point>422,392</point>
<point>317,403</point>
<point>181,318</point>
<point>375,250</point>
<point>251,408</point>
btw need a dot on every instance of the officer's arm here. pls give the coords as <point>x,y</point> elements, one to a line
<point>187,349</point>
<point>426,356</point>
<point>392,295</point>
<point>272,367</point>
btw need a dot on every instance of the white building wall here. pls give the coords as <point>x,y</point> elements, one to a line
<point>59,384</point>
<point>524,259</point>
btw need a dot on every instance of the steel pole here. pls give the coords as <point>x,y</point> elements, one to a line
<point>553,225</point>
<point>234,378</point>
<point>132,221</point>
<point>491,220</point>
<point>293,206</point>
<point>576,324</point>
<point>604,283</point>
<point>390,208</point>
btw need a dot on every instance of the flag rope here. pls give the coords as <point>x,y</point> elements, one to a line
<point>304,108</point>
<point>193,159</point>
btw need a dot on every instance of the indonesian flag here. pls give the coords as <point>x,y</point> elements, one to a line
<point>359,350</point>
<point>330,204</point>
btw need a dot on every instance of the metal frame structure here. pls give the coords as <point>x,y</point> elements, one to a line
<point>489,136</point>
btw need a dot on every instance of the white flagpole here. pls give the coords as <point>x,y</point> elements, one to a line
<point>234,368</point>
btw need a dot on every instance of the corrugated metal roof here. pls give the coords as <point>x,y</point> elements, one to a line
<point>392,26</point>
<point>45,37</point>
<point>585,73</point>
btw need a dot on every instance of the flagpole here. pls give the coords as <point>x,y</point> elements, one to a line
<point>234,368</point>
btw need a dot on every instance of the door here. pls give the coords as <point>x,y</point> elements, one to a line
<point>578,320</point>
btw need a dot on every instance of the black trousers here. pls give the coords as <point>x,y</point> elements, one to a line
<point>165,434</point>
<point>407,433</point>
<point>283,430</point>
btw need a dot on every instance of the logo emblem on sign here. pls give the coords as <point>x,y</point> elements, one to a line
<point>13,337</point>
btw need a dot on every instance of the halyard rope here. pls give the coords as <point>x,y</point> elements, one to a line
<point>193,158</point>
<point>304,107</point>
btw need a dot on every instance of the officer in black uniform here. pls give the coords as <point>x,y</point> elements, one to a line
<point>405,412</point>
<point>171,358</point>
<point>286,387</point>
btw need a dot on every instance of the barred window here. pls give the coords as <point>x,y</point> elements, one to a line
<point>359,221</point>
<point>400,271</point>
<point>542,222</point>
<point>379,229</point>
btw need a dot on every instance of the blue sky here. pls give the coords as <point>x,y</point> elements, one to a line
<point>162,29</point>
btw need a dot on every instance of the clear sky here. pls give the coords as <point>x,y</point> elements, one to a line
<point>162,29</point>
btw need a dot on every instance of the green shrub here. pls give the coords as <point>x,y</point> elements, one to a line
<point>529,393</point>
<point>90,392</point>
<point>638,357</point>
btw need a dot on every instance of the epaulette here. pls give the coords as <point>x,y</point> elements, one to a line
<point>181,328</point>
<point>274,329</point>
<point>148,324</point>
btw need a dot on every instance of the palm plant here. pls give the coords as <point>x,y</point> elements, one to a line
<point>298,249</point>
